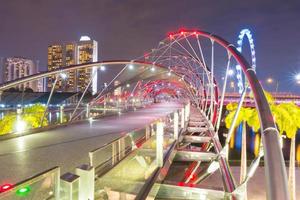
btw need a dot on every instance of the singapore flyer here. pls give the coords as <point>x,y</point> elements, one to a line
<point>245,33</point>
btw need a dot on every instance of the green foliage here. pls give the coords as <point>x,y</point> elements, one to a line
<point>31,115</point>
<point>286,116</point>
<point>7,123</point>
<point>244,114</point>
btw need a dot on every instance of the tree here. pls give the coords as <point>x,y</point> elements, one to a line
<point>287,119</point>
<point>31,115</point>
<point>290,112</point>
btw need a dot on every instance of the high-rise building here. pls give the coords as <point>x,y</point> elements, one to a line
<point>87,53</point>
<point>14,68</point>
<point>71,59</point>
<point>83,51</point>
<point>55,61</point>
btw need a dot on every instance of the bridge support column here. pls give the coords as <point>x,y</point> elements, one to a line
<point>159,144</point>
<point>176,125</point>
<point>86,175</point>
<point>61,114</point>
<point>182,118</point>
<point>69,184</point>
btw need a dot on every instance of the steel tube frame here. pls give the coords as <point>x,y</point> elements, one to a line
<point>49,99</point>
<point>275,172</point>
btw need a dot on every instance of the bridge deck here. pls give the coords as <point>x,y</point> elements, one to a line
<point>68,147</point>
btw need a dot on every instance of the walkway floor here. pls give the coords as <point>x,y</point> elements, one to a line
<point>68,147</point>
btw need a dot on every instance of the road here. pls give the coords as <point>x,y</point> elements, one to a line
<point>68,147</point>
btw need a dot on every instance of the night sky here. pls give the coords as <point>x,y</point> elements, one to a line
<point>127,29</point>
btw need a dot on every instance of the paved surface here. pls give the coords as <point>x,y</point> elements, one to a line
<point>68,147</point>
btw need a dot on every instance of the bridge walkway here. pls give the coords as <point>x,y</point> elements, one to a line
<point>32,154</point>
<point>190,168</point>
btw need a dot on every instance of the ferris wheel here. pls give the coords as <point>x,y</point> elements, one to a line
<point>245,33</point>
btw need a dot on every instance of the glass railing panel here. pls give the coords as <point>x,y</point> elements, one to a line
<point>40,187</point>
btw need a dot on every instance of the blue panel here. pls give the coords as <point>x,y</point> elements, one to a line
<point>238,137</point>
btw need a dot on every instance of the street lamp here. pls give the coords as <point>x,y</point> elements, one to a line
<point>270,81</point>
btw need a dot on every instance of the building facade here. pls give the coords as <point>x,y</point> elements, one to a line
<point>14,68</point>
<point>83,51</point>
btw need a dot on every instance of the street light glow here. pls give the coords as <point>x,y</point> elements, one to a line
<point>20,126</point>
<point>131,67</point>
<point>63,76</point>
<point>297,77</point>
<point>102,68</point>
<point>230,72</point>
<point>270,80</point>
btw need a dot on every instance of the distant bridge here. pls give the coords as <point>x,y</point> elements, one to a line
<point>278,97</point>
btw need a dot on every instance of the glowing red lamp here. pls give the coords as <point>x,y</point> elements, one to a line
<point>5,187</point>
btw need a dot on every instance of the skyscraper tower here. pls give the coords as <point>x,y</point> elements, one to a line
<point>81,52</point>
<point>71,59</point>
<point>87,53</point>
<point>55,61</point>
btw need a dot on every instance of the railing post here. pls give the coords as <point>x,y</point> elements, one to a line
<point>187,112</point>
<point>114,153</point>
<point>182,118</point>
<point>148,132</point>
<point>104,105</point>
<point>61,114</point>
<point>159,143</point>
<point>87,110</point>
<point>121,148</point>
<point>152,129</point>
<point>176,125</point>
<point>86,175</point>
<point>69,186</point>
<point>57,185</point>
